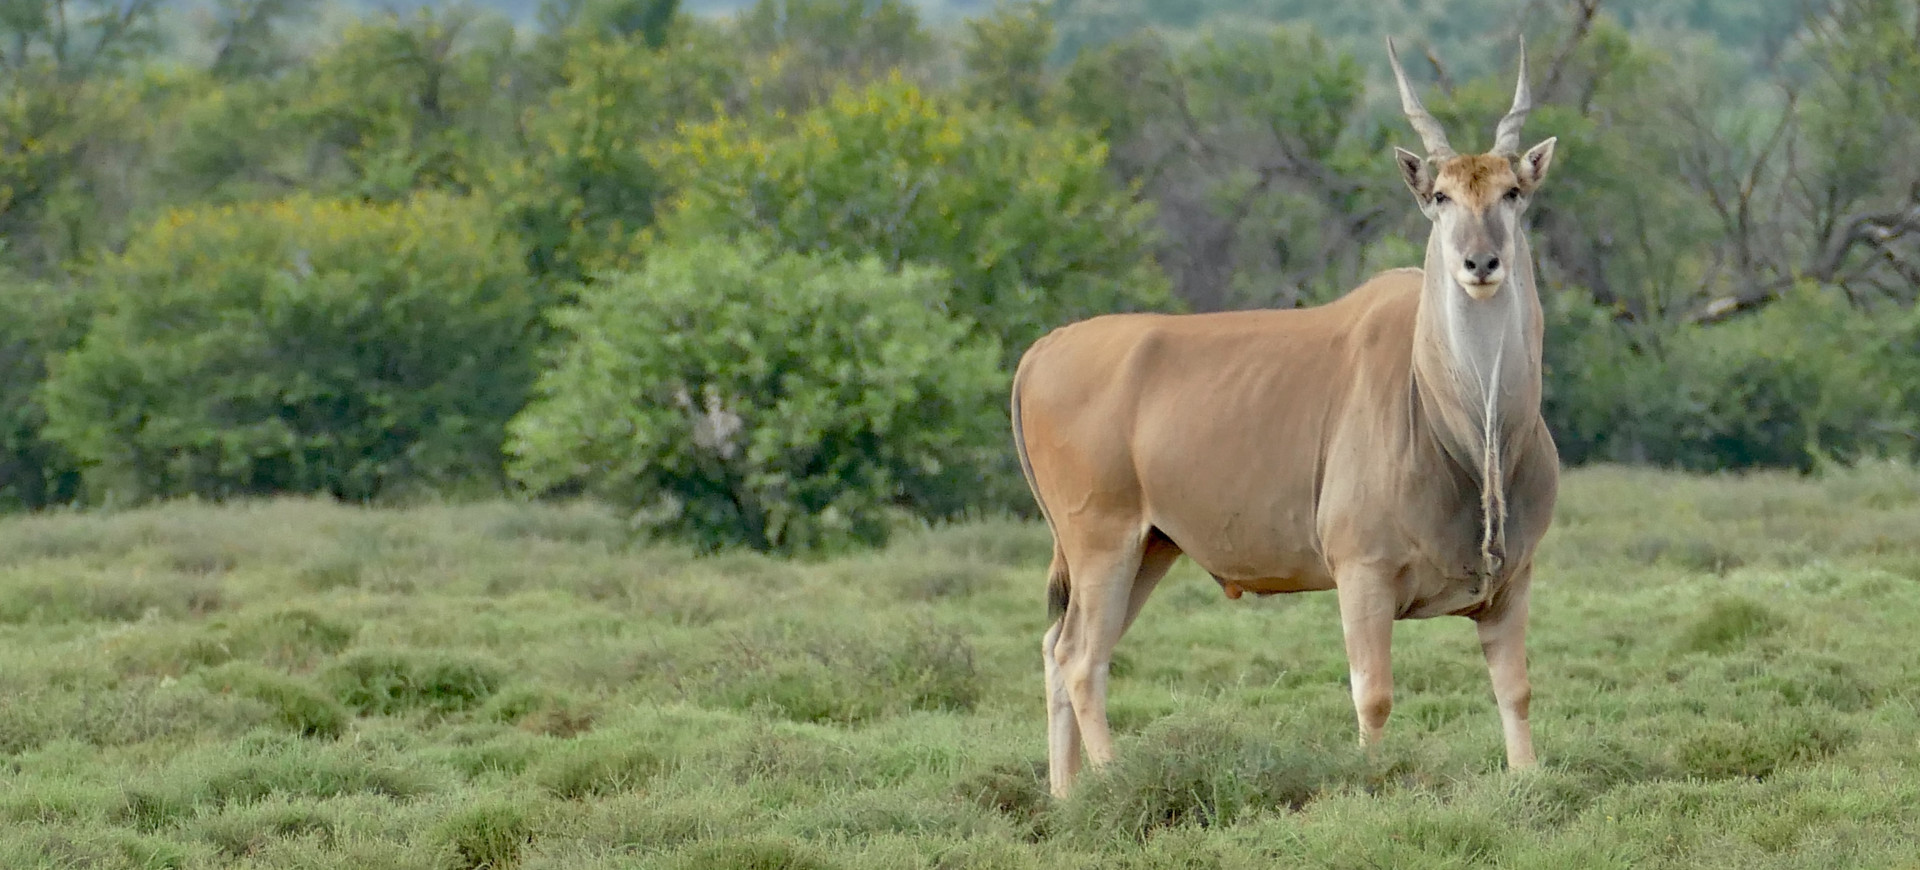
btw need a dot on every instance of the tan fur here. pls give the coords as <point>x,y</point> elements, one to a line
<point>1477,181</point>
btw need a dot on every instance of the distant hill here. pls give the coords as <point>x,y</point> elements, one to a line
<point>1457,29</point>
<point>526,10</point>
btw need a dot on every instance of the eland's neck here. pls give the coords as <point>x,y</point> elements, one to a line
<point>1477,370</point>
<point>1477,362</point>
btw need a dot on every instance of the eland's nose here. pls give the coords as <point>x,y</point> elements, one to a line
<point>1482,266</point>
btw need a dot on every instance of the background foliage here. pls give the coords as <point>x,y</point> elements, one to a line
<point>37,323</point>
<point>1026,220</point>
<point>1728,246</point>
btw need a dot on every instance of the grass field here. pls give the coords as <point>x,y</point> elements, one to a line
<point>1723,674</point>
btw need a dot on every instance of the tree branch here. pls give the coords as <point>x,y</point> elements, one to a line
<point>1440,73</point>
<point>1582,23</point>
<point>1878,230</point>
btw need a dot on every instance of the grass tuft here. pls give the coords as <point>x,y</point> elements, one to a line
<point>293,638</point>
<point>149,809</point>
<point>246,831</point>
<point>490,836</point>
<point>152,853</point>
<point>847,676</point>
<point>1729,624</point>
<point>1015,790</point>
<point>139,711</point>
<point>297,705</point>
<point>752,853</point>
<point>1727,750</point>
<point>385,682</point>
<point>575,523</point>
<point>1203,770</point>
<point>541,711</point>
<point>597,765</point>
<point>58,596</point>
<point>1695,554</point>
<point>339,570</point>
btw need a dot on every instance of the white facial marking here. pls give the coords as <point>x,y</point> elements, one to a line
<point>1475,279</point>
<point>1478,290</point>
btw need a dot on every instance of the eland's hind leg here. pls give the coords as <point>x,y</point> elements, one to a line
<point>1078,651</point>
<point>1084,651</point>
<point>1158,557</point>
<point>1063,734</point>
<point>1097,614</point>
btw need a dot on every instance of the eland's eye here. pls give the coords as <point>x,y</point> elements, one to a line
<point>1513,194</point>
<point>1440,199</point>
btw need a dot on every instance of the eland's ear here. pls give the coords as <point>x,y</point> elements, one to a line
<point>1533,165</point>
<point>1417,173</point>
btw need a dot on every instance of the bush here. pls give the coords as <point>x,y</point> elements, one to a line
<point>775,401</point>
<point>37,322</point>
<point>300,346</point>
<point>1807,378</point>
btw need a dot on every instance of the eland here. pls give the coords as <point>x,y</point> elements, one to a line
<point>1387,446</point>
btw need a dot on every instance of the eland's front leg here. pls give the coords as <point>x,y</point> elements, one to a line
<point>1503,637</point>
<point>1366,621</point>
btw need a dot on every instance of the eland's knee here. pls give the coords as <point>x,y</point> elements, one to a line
<point>1372,707</point>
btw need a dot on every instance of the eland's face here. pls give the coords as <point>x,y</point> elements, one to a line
<point>1475,204</point>
<point>1474,200</point>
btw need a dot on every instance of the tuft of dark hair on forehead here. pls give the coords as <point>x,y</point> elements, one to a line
<point>1477,179</point>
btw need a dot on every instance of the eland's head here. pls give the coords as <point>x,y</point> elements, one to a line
<point>1474,200</point>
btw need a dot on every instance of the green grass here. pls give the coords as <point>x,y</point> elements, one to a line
<point>1723,673</point>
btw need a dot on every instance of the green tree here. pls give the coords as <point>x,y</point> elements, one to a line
<point>778,401</point>
<point>587,181</point>
<point>38,321</point>
<point>649,21</point>
<point>1860,202</point>
<point>1252,148</point>
<point>1025,219</point>
<point>801,50</point>
<point>250,38</point>
<point>391,107</point>
<point>70,121</point>
<point>76,39</point>
<point>1006,59</point>
<point>300,346</point>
